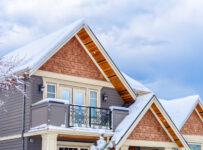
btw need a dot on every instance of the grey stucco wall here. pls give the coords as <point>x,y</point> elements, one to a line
<point>114,98</point>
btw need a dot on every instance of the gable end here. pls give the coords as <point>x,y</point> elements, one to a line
<point>73,60</point>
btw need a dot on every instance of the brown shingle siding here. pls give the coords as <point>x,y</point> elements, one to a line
<point>193,125</point>
<point>72,59</point>
<point>149,129</point>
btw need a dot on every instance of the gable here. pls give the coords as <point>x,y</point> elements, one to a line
<point>149,129</point>
<point>73,60</point>
<point>96,50</point>
<point>193,125</point>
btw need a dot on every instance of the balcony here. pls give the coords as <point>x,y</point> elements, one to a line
<point>58,113</point>
<point>89,117</point>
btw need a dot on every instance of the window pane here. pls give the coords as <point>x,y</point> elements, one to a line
<point>93,95</point>
<point>51,88</point>
<point>50,95</point>
<point>195,147</point>
<point>79,96</point>
<point>65,95</point>
<point>93,103</point>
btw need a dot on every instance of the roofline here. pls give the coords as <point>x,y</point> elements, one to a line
<point>111,62</point>
<point>101,48</point>
<point>61,44</point>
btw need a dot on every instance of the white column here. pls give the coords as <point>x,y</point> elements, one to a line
<point>124,148</point>
<point>49,141</point>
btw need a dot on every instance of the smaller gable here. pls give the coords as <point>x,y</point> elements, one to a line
<point>149,129</point>
<point>193,125</point>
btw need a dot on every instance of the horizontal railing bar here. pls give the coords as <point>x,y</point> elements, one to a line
<point>89,107</point>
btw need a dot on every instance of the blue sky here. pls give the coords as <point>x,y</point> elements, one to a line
<point>159,43</point>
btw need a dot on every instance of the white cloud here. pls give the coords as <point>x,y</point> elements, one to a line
<point>170,88</point>
<point>143,34</point>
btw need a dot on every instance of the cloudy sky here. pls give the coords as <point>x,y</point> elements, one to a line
<point>159,43</point>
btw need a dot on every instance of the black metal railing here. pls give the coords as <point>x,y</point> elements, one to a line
<point>90,117</point>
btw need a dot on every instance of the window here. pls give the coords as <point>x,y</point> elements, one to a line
<point>93,98</point>
<point>79,96</point>
<point>93,103</point>
<point>66,94</point>
<point>51,91</point>
<point>195,147</point>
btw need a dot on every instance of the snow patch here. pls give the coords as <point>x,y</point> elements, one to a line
<point>50,100</point>
<point>134,110</point>
<point>180,109</point>
<point>118,108</point>
<point>35,52</point>
<point>135,84</point>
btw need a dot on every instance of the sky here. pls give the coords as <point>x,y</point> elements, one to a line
<point>158,43</point>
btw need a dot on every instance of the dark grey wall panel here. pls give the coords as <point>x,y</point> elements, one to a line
<point>36,95</point>
<point>114,98</point>
<point>118,116</point>
<point>35,143</point>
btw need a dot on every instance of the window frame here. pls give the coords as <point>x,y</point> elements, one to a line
<point>52,84</point>
<point>89,98</point>
<point>74,85</point>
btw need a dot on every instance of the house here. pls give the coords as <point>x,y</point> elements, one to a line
<point>74,93</point>
<point>187,115</point>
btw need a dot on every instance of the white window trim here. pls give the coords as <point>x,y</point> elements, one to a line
<point>52,84</point>
<point>69,84</point>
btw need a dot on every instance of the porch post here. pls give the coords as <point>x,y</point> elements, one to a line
<point>49,141</point>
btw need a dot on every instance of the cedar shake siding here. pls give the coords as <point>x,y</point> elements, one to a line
<point>193,125</point>
<point>149,129</point>
<point>73,60</point>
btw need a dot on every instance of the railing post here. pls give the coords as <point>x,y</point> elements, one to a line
<point>69,115</point>
<point>110,119</point>
<point>90,116</point>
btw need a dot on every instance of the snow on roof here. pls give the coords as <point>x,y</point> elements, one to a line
<point>180,109</point>
<point>51,100</point>
<point>63,128</point>
<point>134,110</point>
<point>33,53</point>
<point>135,84</point>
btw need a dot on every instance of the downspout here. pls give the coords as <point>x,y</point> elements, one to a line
<point>23,118</point>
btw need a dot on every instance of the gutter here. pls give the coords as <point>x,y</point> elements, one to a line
<point>23,119</point>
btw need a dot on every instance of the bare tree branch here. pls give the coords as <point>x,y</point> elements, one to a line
<point>9,79</point>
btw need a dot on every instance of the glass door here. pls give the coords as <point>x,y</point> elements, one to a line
<point>79,99</point>
<point>66,94</point>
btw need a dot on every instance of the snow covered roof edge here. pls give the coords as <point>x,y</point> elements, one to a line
<point>135,84</point>
<point>187,105</point>
<point>36,52</point>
